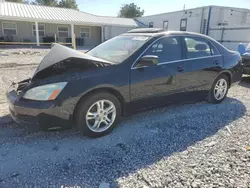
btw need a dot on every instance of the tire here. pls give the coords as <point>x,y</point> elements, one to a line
<point>212,98</point>
<point>96,123</point>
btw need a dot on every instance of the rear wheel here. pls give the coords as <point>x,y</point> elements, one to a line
<point>219,89</point>
<point>98,114</point>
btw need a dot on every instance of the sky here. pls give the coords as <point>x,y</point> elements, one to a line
<point>111,7</point>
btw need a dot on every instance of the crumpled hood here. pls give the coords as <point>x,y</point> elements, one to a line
<point>59,53</point>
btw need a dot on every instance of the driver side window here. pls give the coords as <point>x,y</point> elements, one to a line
<point>167,49</point>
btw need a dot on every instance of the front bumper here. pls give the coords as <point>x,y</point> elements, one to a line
<point>246,70</point>
<point>45,114</point>
<point>246,64</point>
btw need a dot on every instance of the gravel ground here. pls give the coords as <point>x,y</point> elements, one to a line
<point>189,145</point>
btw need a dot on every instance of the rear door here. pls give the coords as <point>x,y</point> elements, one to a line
<point>202,62</point>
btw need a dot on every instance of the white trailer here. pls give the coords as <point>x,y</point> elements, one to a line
<point>112,31</point>
<point>231,36</point>
<point>226,24</point>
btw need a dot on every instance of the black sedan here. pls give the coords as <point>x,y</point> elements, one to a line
<point>246,63</point>
<point>138,70</point>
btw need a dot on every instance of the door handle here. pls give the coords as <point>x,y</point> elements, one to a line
<point>216,62</point>
<point>180,68</point>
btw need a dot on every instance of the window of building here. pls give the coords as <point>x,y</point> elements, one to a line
<point>63,31</point>
<point>183,25</point>
<point>151,24</point>
<point>198,47</point>
<point>167,49</point>
<point>41,30</point>
<point>85,32</point>
<point>165,25</point>
<point>9,28</point>
<point>204,26</point>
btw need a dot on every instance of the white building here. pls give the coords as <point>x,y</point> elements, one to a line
<point>42,25</point>
<point>227,25</point>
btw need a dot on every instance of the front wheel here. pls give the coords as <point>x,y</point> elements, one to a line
<point>219,90</point>
<point>98,114</point>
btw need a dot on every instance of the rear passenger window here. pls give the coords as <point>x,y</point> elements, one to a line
<point>198,47</point>
<point>167,49</point>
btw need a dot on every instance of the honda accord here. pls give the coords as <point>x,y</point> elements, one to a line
<point>141,69</point>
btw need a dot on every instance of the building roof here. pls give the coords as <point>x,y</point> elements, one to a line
<point>190,9</point>
<point>27,12</point>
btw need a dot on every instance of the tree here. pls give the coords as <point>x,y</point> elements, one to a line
<point>15,1</point>
<point>46,2</point>
<point>130,11</point>
<point>68,4</point>
<point>54,3</point>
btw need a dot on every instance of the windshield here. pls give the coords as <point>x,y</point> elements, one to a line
<point>119,48</point>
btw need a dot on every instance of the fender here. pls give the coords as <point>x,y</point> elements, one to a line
<point>107,87</point>
<point>124,100</point>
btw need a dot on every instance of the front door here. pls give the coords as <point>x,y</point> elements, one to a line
<point>149,85</point>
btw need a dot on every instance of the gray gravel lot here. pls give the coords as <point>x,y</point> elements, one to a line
<point>189,145</point>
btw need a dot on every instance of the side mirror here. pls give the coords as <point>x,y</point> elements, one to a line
<point>148,60</point>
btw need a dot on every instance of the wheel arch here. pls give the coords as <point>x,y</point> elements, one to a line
<point>228,74</point>
<point>110,90</point>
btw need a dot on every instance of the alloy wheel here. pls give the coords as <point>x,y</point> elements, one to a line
<point>101,115</point>
<point>220,89</point>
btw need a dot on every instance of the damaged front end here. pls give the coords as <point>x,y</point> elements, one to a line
<point>59,61</point>
<point>35,99</point>
<point>19,86</point>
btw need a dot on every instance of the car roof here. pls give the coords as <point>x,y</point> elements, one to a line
<point>161,32</point>
<point>146,30</point>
